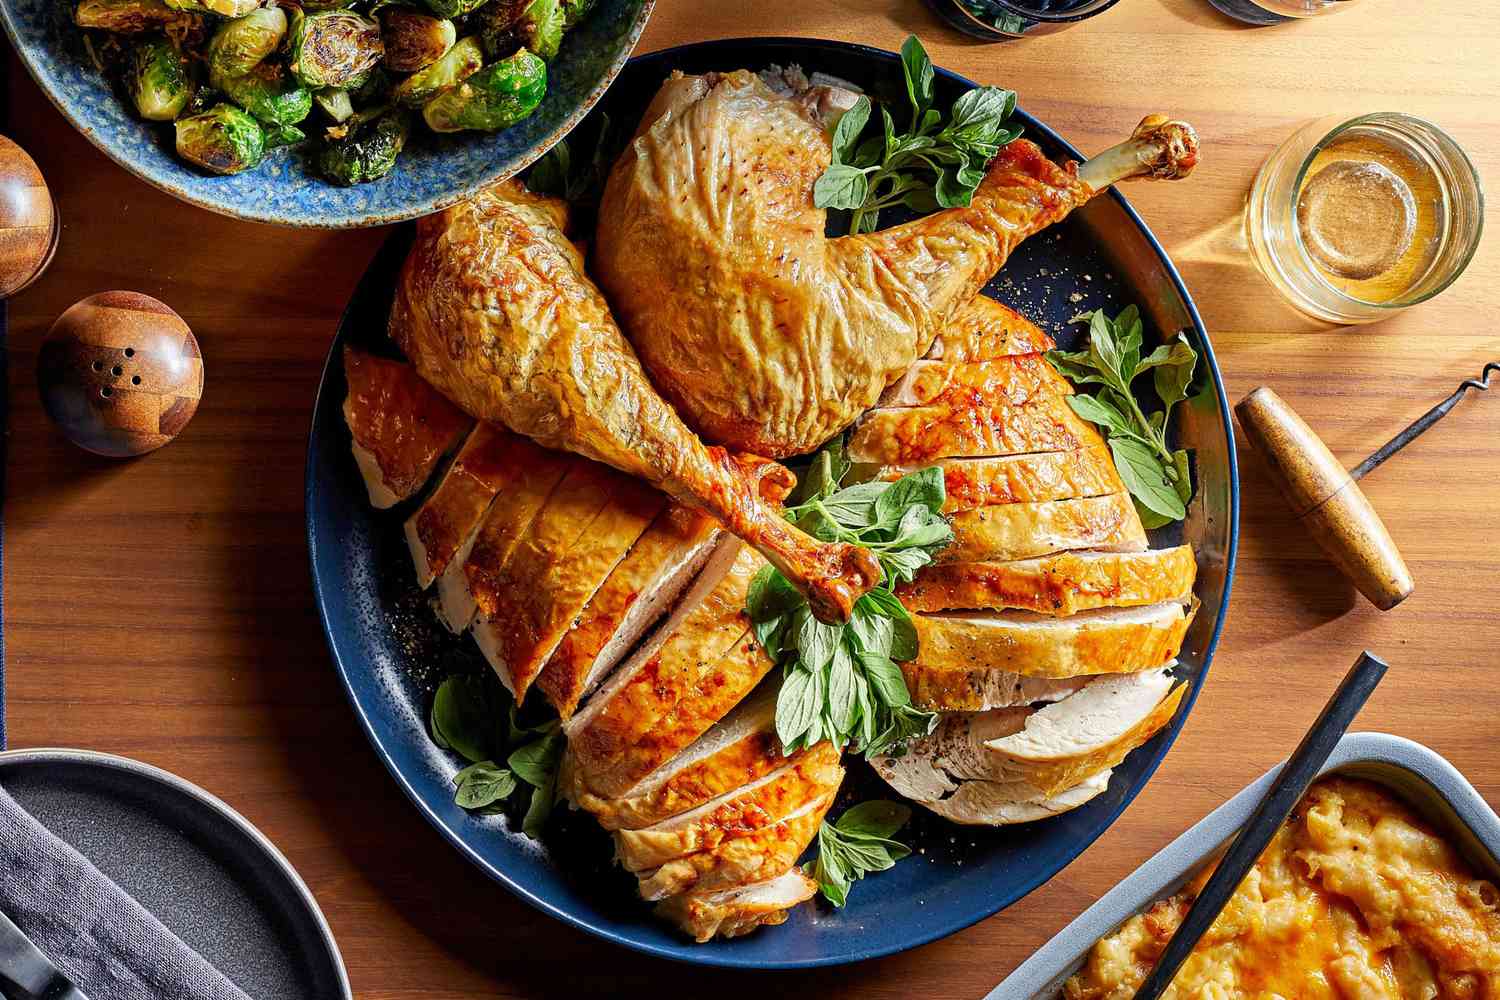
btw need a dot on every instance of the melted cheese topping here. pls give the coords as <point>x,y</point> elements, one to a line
<point>1355,899</point>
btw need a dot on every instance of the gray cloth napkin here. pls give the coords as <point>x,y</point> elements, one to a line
<point>105,941</point>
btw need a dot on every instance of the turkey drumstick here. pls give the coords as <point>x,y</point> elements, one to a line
<point>494,309</point>
<point>766,335</point>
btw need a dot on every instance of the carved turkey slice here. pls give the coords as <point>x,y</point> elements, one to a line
<point>730,913</point>
<point>980,802</point>
<point>985,330</point>
<point>956,429</point>
<point>401,426</point>
<point>1060,584</point>
<point>1009,531</point>
<point>1015,379</point>
<point>1088,471</point>
<point>446,523</point>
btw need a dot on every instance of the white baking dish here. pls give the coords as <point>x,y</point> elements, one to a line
<point>1422,778</point>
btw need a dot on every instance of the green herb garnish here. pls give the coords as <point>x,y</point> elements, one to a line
<point>1158,477</point>
<point>932,164</point>
<point>859,843</point>
<point>476,718</point>
<point>841,682</point>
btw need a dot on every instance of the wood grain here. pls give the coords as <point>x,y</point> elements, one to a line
<point>160,607</point>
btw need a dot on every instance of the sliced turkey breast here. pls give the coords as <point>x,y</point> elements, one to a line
<point>755,857</point>
<point>1060,584</point>
<point>986,689</point>
<point>806,776</point>
<point>647,582</point>
<point>1027,530</point>
<point>1108,710</point>
<point>737,750</point>
<point>730,913</point>
<point>667,667</point>
<point>978,802</point>
<point>919,434</point>
<point>957,653</point>
<point>401,426</point>
<point>551,576</point>
<point>1088,471</point>
<point>450,517</point>
<point>985,329</point>
<point>1014,380</point>
<point>483,558</point>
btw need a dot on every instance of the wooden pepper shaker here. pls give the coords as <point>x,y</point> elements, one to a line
<point>28,220</point>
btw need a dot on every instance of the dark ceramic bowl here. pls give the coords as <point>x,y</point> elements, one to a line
<point>389,652</point>
<point>1002,20</point>
<point>434,171</point>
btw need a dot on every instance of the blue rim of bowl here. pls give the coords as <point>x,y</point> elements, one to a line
<point>153,177</point>
<point>213,802</point>
<point>705,954</point>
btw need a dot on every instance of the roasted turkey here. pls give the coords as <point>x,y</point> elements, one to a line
<point>494,309</point>
<point>763,333</point>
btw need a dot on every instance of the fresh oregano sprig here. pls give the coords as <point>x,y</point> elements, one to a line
<point>473,716</point>
<point>934,163</point>
<point>859,843</point>
<point>841,682</point>
<point>1158,477</point>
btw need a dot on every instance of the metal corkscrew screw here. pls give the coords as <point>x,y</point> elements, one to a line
<point>1323,494</point>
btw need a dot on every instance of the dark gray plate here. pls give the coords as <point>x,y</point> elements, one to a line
<point>198,865</point>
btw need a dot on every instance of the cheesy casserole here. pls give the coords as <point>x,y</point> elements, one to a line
<point>1355,899</point>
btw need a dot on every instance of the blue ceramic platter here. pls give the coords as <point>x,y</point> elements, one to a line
<point>390,652</point>
<point>434,171</point>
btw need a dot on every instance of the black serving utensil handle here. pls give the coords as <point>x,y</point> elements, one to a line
<point>1288,788</point>
<point>24,970</point>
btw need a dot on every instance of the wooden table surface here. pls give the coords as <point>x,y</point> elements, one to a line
<point>161,608</point>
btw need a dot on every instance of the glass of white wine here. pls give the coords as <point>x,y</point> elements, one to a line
<point>1277,11</point>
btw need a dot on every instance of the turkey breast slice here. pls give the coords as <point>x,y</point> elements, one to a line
<point>1007,803</point>
<point>768,800</point>
<point>401,427</point>
<point>551,576</point>
<point>647,582</point>
<point>1013,379</point>
<point>1088,471</point>
<point>980,690</point>
<point>665,669</point>
<point>985,329</point>
<point>958,652</point>
<point>450,517</point>
<point>919,434</point>
<point>754,857</point>
<point>509,518</point>
<point>1027,530</point>
<point>1060,584</point>
<point>737,750</point>
<point>730,913</point>
<point>1107,711</point>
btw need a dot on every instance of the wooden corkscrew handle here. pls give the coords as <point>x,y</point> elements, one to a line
<point>1325,496</point>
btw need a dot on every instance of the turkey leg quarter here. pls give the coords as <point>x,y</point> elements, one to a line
<point>763,333</point>
<point>494,309</point>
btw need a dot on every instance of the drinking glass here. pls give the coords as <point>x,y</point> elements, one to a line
<point>1446,219</point>
<point>1277,11</point>
<point>999,20</point>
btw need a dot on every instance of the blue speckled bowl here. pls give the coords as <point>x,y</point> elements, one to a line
<point>434,171</point>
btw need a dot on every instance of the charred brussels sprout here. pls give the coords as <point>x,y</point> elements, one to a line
<point>453,8</point>
<point>461,62</point>
<point>496,97</point>
<point>497,22</point>
<point>223,140</point>
<point>334,102</point>
<point>240,45</point>
<point>271,94</point>
<point>284,135</point>
<point>367,152</point>
<point>540,28</point>
<point>224,8</point>
<point>126,17</point>
<point>414,41</point>
<point>158,80</point>
<point>575,11</point>
<point>333,48</point>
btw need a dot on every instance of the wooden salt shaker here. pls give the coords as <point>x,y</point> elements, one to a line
<point>28,220</point>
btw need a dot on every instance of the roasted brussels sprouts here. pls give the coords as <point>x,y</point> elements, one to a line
<point>496,97</point>
<point>540,28</point>
<point>575,11</point>
<point>271,94</point>
<point>224,8</point>
<point>223,140</point>
<point>127,17</point>
<point>453,8</point>
<point>412,40</point>
<point>240,45</point>
<point>461,62</point>
<point>283,135</point>
<point>367,152</point>
<point>333,48</point>
<point>157,78</point>
<point>335,103</point>
<point>497,22</point>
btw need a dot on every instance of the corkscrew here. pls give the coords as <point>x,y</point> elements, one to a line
<point>1324,494</point>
